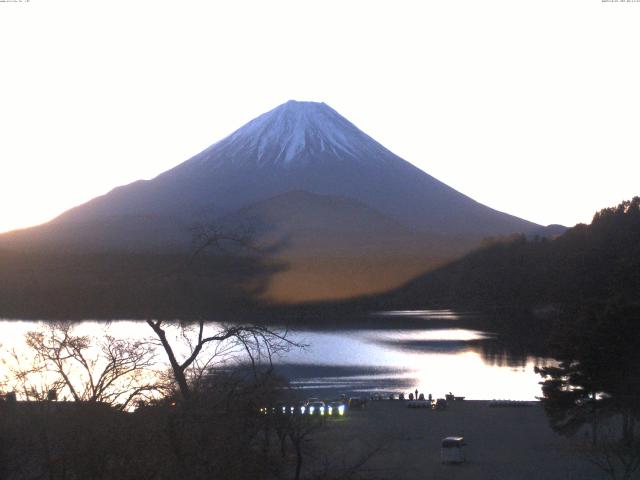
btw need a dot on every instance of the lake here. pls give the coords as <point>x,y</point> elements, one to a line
<point>433,351</point>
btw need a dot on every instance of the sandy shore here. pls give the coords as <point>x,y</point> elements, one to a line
<point>503,443</point>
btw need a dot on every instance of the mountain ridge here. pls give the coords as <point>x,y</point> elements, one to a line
<point>229,175</point>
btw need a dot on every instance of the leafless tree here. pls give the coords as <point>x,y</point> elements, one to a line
<point>337,460</point>
<point>87,368</point>
<point>199,344</point>
<point>336,466</point>
<point>207,344</point>
<point>618,458</point>
<point>211,237</point>
<point>300,429</point>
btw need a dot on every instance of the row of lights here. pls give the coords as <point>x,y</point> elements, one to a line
<point>322,410</point>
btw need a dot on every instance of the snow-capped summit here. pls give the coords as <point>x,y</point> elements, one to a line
<point>295,132</point>
<point>301,146</point>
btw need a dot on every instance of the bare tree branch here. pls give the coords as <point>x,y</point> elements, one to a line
<point>92,369</point>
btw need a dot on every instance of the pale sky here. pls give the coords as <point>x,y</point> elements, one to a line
<point>530,107</point>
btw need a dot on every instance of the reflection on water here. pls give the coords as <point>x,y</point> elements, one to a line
<point>463,361</point>
<point>436,314</point>
<point>433,359</point>
<point>442,335</point>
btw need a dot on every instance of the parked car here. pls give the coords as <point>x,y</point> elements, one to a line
<point>336,408</point>
<point>316,408</point>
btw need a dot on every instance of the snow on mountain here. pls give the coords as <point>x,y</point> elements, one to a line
<point>300,146</point>
<point>293,132</point>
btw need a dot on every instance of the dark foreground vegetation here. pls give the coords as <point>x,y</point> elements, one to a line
<point>218,433</point>
<point>596,384</point>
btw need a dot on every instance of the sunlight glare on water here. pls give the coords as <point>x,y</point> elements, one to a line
<point>443,360</point>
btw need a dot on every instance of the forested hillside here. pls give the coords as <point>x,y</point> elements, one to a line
<point>587,264</point>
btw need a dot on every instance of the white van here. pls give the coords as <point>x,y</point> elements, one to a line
<point>453,450</point>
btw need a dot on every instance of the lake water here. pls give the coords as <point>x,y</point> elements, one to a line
<point>438,354</point>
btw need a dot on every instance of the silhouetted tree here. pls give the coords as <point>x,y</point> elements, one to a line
<point>207,343</point>
<point>597,383</point>
<point>104,369</point>
<point>217,343</point>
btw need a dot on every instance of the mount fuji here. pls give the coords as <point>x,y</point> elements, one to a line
<point>356,217</point>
